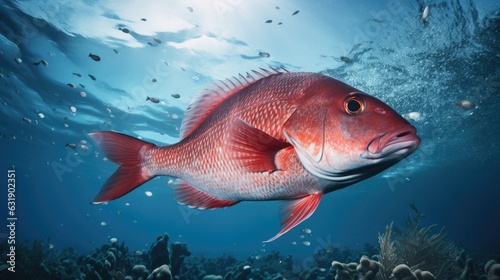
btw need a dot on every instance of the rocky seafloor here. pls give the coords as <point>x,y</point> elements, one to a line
<point>412,253</point>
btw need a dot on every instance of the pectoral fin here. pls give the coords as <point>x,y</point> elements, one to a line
<point>253,148</point>
<point>296,211</point>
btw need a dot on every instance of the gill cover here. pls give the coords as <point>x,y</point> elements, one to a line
<point>305,130</point>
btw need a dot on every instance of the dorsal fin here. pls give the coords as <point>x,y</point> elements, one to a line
<point>213,95</point>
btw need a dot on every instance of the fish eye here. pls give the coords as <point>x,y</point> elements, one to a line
<point>353,105</point>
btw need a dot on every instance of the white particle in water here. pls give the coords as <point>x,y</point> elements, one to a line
<point>307,231</point>
<point>425,14</point>
<point>73,109</point>
<point>412,116</point>
<point>41,115</point>
<point>148,193</point>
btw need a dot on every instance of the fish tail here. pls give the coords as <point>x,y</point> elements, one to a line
<point>128,152</point>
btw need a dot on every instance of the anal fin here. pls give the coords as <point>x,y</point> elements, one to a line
<point>296,211</point>
<point>253,148</point>
<point>186,194</point>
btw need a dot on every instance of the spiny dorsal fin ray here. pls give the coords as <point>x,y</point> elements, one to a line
<point>212,96</point>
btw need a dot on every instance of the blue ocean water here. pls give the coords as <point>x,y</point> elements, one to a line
<point>164,48</point>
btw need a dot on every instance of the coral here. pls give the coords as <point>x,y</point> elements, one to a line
<point>424,275</point>
<point>403,272</point>
<point>110,260</point>
<point>139,271</point>
<point>276,277</point>
<point>273,263</point>
<point>160,254</point>
<point>419,249</point>
<point>313,274</point>
<point>161,273</point>
<point>96,268</point>
<point>212,277</point>
<point>36,257</point>
<point>368,267</point>
<point>388,257</point>
<point>179,252</point>
<point>159,251</point>
<point>461,259</point>
<point>324,256</point>
<point>468,273</point>
<point>345,271</point>
<point>241,272</point>
<point>114,262</point>
<point>200,265</point>
<point>370,250</point>
<point>492,269</point>
<point>107,262</point>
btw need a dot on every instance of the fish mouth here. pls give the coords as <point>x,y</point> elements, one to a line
<point>395,144</point>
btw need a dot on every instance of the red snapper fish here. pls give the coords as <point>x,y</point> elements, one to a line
<point>269,135</point>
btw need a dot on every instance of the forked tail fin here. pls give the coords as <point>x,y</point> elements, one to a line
<point>128,152</point>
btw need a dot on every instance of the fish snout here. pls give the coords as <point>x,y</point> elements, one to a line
<point>397,143</point>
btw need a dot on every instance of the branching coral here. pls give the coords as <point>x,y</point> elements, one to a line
<point>418,248</point>
<point>388,257</point>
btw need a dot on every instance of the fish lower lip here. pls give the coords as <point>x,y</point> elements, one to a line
<point>400,142</point>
